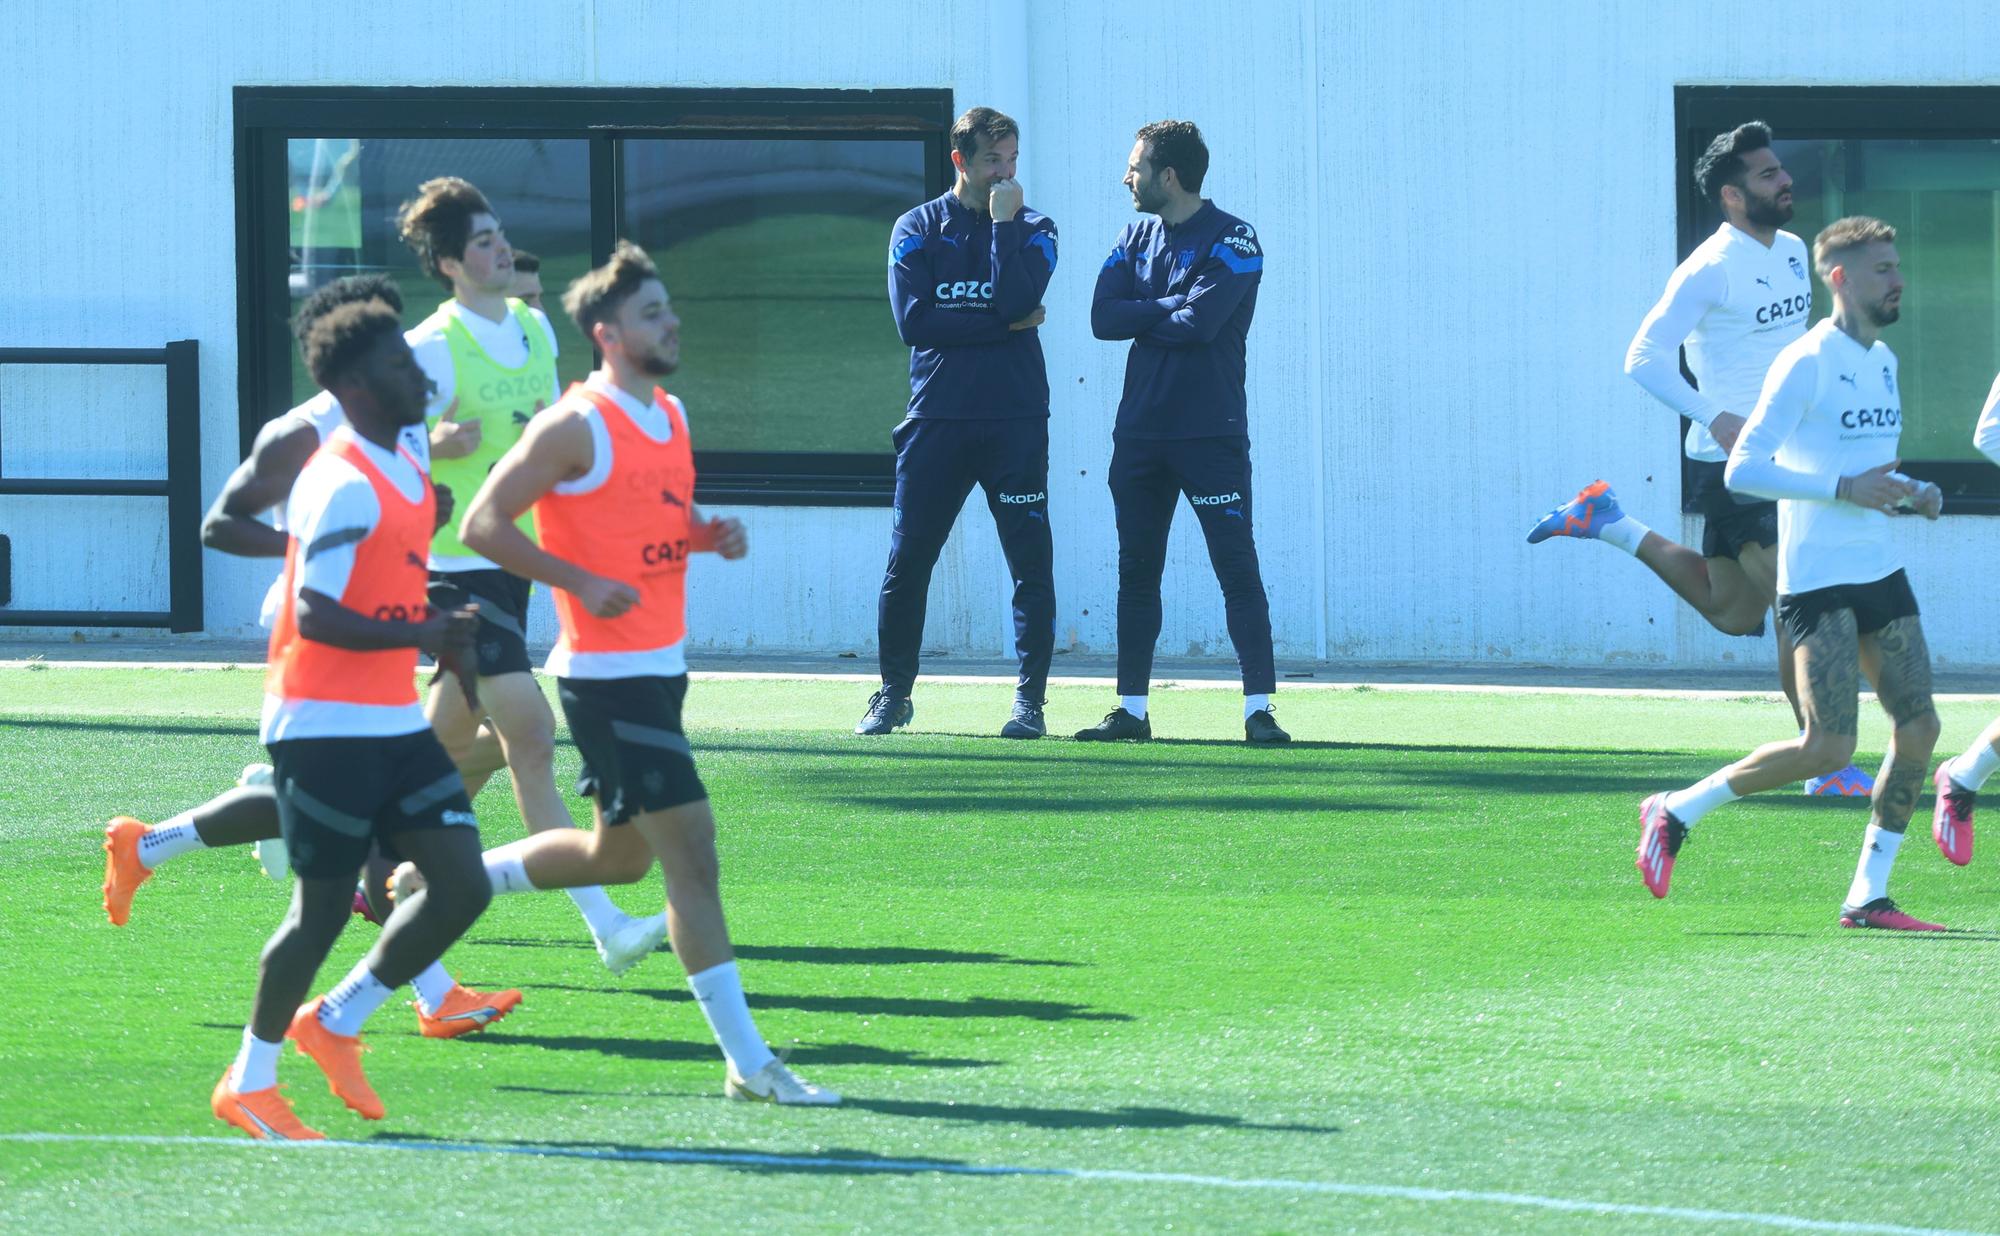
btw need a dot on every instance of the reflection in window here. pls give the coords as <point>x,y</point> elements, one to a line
<point>343,195</point>
<point>1943,198</point>
<point>774,252</point>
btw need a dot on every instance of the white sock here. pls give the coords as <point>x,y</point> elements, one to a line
<point>1702,797</point>
<point>170,840</point>
<point>720,992</point>
<point>256,1066</point>
<point>1969,770</point>
<point>347,1006</point>
<point>597,910</point>
<point>506,871</point>
<point>1871,876</point>
<point>1134,704</point>
<point>433,985</point>
<point>1625,534</point>
<point>1255,703</point>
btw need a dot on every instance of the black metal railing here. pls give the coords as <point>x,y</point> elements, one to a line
<point>181,487</point>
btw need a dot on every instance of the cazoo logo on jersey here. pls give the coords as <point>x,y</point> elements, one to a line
<point>1790,306</point>
<point>965,289</point>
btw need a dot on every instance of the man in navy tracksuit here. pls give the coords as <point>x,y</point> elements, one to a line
<point>1182,287</point>
<point>966,277</point>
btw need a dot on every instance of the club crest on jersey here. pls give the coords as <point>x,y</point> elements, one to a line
<point>1888,379</point>
<point>1798,267</point>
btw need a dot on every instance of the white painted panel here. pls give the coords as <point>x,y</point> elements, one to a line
<point>96,422</point>
<point>87,553</point>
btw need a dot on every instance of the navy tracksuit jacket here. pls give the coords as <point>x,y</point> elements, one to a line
<point>978,415</point>
<point>1184,296</point>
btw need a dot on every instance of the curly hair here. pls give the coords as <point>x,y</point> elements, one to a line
<point>437,222</point>
<point>337,341</point>
<point>353,290</point>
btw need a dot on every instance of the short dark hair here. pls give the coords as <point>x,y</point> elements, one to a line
<point>526,263</point>
<point>1722,163</point>
<point>1177,144</point>
<point>596,295</point>
<point>981,122</point>
<point>1842,236</point>
<point>352,290</point>
<point>339,339</point>
<point>437,222</point>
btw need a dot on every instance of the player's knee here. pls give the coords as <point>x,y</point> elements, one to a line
<point>1918,733</point>
<point>1735,622</point>
<point>624,866</point>
<point>1827,753</point>
<point>531,751</point>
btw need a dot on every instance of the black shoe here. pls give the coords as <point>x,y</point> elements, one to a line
<point>1261,727</point>
<point>1026,722</point>
<point>1117,726</point>
<point>885,713</point>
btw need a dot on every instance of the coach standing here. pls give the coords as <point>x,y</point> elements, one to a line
<point>966,276</point>
<point>1182,287</point>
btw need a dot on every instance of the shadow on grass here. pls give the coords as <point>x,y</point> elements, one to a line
<point>812,955</point>
<point>678,1050</point>
<point>833,1161</point>
<point>152,725</point>
<point>1950,935</point>
<point>1074,1118</point>
<point>877,1006</point>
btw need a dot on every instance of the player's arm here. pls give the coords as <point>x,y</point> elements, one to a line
<point>1986,435</point>
<point>725,536</point>
<point>1116,311</point>
<point>1789,390</point>
<point>1024,260</point>
<point>1233,267</point>
<point>918,319</point>
<point>259,483</point>
<point>1653,359</point>
<point>556,447</point>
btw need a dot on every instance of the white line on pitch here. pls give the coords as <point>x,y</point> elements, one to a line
<point>721,1158</point>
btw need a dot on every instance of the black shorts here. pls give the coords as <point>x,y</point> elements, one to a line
<point>1875,606</point>
<point>1730,521</point>
<point>628,730</point>
<point>502,598</point>
<point>338,797</point>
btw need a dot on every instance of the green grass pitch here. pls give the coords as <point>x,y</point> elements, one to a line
<point>1398,977</point>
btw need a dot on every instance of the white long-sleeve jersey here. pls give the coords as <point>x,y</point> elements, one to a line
<point>1829,409</point>
<point>1986,436</point>
<point>1735,304</point>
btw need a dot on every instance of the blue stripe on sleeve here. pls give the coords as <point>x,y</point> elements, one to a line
<point>904,247</point>
<point>1117,256</point>
<point>1236,262</point>
<point>1047,244</point>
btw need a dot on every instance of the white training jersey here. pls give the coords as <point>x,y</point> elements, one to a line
<point>1735,305</point>
<point>652,420</point>
<point>1830,409</point>
<point>1986,436</point>
<point>333,508</point>
<point>324,413</point>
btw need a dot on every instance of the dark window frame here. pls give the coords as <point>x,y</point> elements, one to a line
<point>265,117</point>
<point>1857,112</point>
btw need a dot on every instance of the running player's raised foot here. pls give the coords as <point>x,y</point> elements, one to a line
<point>1027,721</point>
<point>775,1083</point>
<point>1261,729</point>
<point>1660,839</point>
<point>361,908</point>
<point>1118,726</point>
<point>1582,516</point>
<point>631,942</point>
<point>264,1114</point>
<point>339,1057</point>
<point>1882,914</point>
<point>1951,818</point>
<point>123,872</point>
<point>465,1011</point>
<point>1849,782</point>
<point>886,713</point>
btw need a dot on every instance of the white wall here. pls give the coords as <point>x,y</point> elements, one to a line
<point>1465,207</point>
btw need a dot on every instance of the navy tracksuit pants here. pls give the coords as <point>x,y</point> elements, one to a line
<point>937,464</point>
<point>1148,478</point>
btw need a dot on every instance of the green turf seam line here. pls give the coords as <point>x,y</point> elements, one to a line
<point>720,1158</point>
